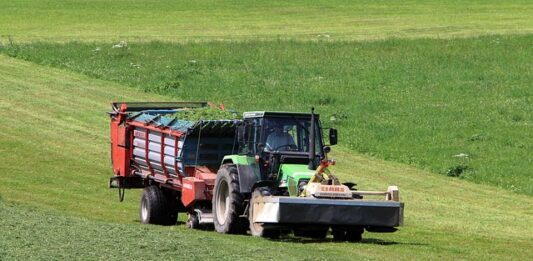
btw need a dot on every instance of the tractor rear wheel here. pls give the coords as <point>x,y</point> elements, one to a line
<point>257,229</point>
<point>228,202</point>
<point>156,207</point>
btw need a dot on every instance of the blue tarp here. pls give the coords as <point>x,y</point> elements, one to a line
<point>163,119</point>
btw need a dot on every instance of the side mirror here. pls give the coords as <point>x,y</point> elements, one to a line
<point>332,136</point>
<point>240,133</point>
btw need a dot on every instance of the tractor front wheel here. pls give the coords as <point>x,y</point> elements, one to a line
<point>258,229</point>
<point>354,234</point>
<point>351,234</point>
<point>228,202</point>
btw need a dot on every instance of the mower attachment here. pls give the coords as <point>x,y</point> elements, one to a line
<point>306,210</point>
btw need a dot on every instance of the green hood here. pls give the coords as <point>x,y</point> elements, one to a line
<point>291,174</point>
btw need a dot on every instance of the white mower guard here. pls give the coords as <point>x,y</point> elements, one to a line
<point>275,210</point>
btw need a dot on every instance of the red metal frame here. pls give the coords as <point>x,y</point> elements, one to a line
<point>165,171</point>
<point>147,151</point>
<point>176,142</point>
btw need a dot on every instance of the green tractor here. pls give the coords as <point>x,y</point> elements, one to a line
<point>279,182</point>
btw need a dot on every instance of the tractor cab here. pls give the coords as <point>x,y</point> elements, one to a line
<point>281,139</point>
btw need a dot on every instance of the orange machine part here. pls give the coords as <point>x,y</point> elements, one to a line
<point>192,190</point>
<point>199,187</point>
<point>120,149</point>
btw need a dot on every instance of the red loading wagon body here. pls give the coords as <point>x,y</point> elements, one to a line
<point>150,147</point>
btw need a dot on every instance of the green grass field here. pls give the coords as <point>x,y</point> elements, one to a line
<point>171,20</point>
<point>55,203</point>
<point>413,87</point>
<point>420,102</point>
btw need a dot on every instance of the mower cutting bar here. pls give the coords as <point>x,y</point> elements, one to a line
<point>292,210</point>
<point>392,193</point>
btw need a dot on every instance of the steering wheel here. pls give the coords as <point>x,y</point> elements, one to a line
<point>291,147</point>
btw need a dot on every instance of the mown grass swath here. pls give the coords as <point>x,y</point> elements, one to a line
<point>459,107</point>
<point>38,234</point>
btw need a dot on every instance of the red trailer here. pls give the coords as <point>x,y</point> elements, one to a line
<point>150,150</point>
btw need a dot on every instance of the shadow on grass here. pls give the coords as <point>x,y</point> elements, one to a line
<point>375,241</point>
<point>179,223</point>
<point>372,241</point>
<point>302,240</point>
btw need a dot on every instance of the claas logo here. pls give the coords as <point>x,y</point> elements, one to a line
<point>331,189</point>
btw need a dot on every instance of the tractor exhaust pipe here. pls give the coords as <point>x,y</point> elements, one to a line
<point>312,141</point>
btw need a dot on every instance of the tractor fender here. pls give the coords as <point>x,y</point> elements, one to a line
<point>247,169</point>
<point>247,178</point>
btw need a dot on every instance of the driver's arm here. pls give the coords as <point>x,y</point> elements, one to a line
<point>269,142</point>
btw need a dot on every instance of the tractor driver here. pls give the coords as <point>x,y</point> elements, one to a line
<point>279,139</point>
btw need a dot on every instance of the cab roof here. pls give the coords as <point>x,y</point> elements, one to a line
<point>262,114</point>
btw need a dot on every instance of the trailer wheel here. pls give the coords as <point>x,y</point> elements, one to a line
<point>155,207</point>
<point>257,229</point>
<point>228,202</point>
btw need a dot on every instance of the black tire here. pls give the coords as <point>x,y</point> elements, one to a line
<point>354,234</point>
<point>228,202</point>
<point>156,207</point>
<point>257,229</point>
<point>339,234</point>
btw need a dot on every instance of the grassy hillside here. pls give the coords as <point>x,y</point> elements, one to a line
<point>54,151</point>
<point>456,107</point>
<point>54,140</point>
<point>171,20</point>
<point>461,105</point>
